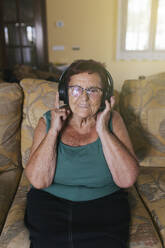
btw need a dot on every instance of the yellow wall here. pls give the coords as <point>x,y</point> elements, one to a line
<point>92,25</point>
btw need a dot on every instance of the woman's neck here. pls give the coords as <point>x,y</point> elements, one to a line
<point>79,131</point>
<point>83,123</point>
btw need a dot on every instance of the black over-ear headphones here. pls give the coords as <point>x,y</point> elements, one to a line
<point>63,88</point>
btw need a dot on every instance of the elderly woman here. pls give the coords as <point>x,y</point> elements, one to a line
<point>80,162</point>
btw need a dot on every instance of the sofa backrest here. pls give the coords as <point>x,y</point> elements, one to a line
<point>142,105</point>
<point>39,97</point>
<point>11,97</point>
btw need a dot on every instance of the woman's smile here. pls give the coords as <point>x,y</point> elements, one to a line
<point>83,105</point>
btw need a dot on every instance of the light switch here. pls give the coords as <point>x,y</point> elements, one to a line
<point>75,48</point>
<point>58,48</point>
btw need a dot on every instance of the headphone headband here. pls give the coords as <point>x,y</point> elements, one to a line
<point>63,89</point>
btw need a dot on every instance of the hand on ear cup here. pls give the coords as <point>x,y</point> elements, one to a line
<point>58,115</point>
<point>103,117</point>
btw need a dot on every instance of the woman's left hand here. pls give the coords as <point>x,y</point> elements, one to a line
<point>103,116</point>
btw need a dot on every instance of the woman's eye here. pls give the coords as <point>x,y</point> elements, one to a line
<point>93,90</point>
<point>76,91</point>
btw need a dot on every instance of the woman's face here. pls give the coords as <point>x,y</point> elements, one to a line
<point>85,103</point>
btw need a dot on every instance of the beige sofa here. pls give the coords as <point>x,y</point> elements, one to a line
<point>142,104</point>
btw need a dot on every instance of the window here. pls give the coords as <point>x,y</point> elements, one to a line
<point>141,29</point>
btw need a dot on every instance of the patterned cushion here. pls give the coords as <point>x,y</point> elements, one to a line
<point>8,185</point>
<point>151,185</point>
<point>142,230</point>
<point>15,234</point>
<point>142,105</point>
<point>10,116</point>
<point>39,96</point>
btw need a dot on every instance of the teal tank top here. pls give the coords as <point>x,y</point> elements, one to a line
<point>81,172</point>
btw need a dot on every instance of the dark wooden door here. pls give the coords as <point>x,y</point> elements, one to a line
<point>23,35</point>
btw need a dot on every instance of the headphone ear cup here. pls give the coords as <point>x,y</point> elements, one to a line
<point>62,92</point>
<point>110,85</point>
<point>109,89</point>
<point>62,89</point>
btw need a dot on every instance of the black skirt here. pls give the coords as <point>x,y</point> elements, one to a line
<point>54,222</point>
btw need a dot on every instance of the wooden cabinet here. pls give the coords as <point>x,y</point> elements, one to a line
<point>23,34</point>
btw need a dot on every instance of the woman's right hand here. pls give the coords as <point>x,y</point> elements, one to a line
<point>58,116</point>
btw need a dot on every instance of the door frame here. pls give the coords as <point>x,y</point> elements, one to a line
<point>40,23</point>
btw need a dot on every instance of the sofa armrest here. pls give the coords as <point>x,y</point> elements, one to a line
<point>151,187</point>
<point>14,233</point>
<point>9,181</point>
<point>142,230</point>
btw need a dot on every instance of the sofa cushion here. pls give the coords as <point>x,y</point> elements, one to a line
<point>15,234</point>
<point>142,105</point>
<point>151,185</point>
<point>11,97</point>
<point>39,97</point>
<point>142,231</point>
<point>8,185</point>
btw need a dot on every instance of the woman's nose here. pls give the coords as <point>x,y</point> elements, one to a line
<point>85,95</point>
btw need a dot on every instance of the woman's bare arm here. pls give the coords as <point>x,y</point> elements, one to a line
<point>42,160</point>
<point>119,153</point>
<point>117,148</point>
<point>41,165</point>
